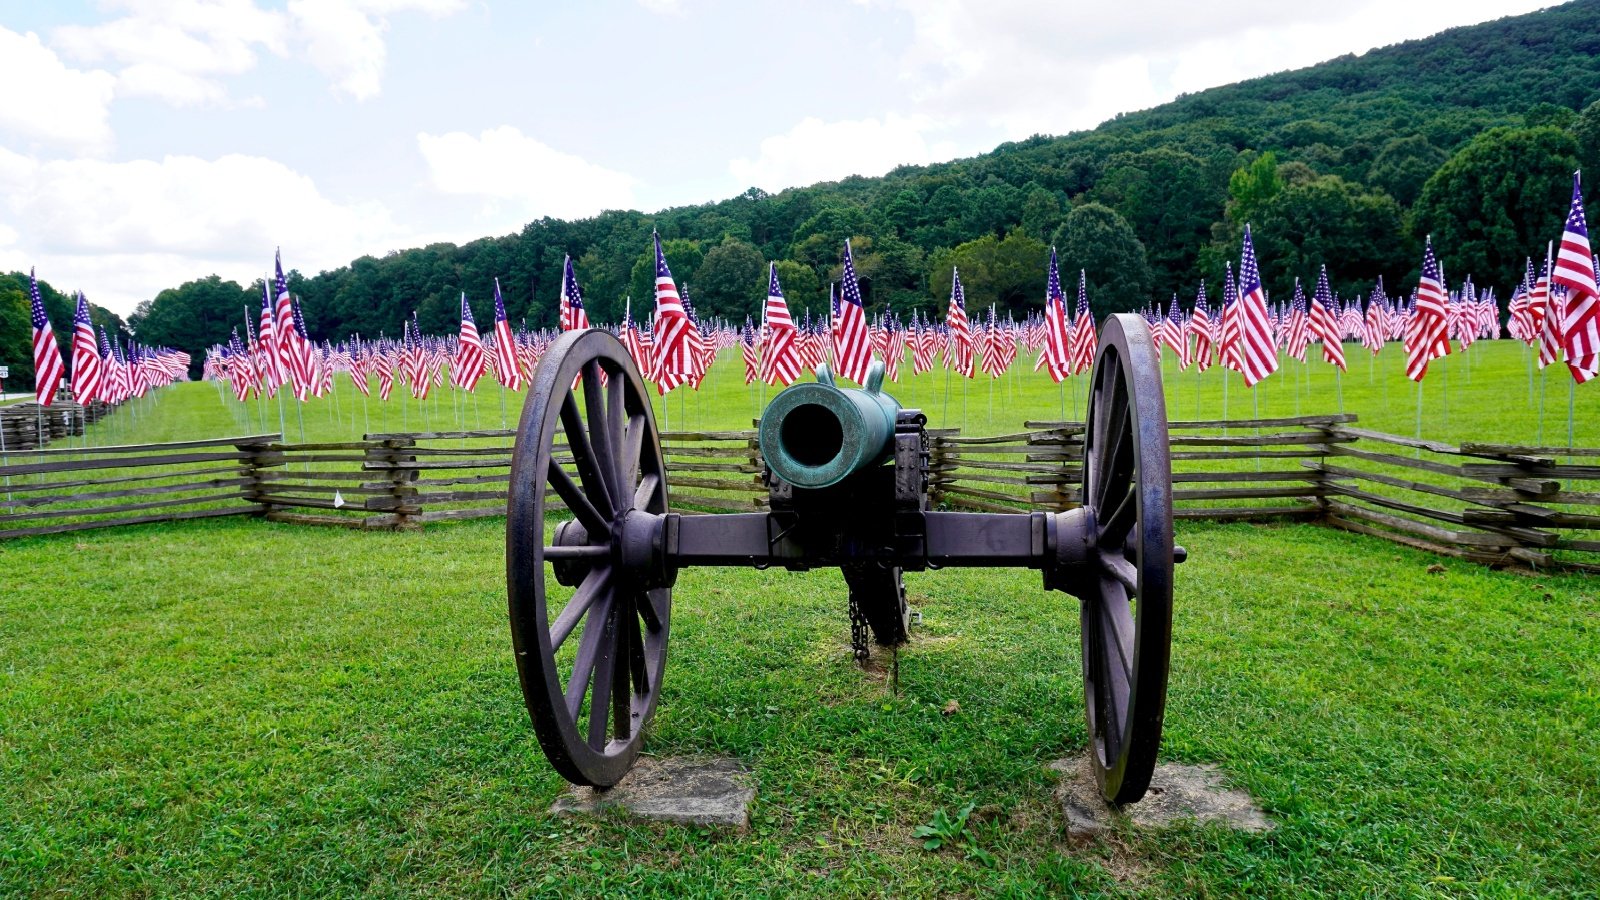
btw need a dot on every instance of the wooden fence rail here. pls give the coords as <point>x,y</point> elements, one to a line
<point>1495,504</point>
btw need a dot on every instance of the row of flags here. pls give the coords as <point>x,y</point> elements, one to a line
<point>1558,312</point>
<point>103,371</point>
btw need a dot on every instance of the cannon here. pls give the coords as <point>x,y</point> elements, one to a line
<point>847,474</point>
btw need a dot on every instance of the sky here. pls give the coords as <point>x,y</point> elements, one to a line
<point>145,143</point>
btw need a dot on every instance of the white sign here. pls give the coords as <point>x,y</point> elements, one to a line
<point>5,372</point>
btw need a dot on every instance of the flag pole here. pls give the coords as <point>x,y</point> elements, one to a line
<point>1572,389</point>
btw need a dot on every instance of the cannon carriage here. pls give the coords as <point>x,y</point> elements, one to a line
<point>847,478</point>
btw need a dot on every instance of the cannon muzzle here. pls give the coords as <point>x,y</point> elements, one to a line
<point>816,434</point>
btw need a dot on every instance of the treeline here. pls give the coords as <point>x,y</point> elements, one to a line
<point>16,325</point>
<point>1470,135</point>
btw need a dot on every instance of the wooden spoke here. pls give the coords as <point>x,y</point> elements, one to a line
<point>600,437</point>
<point>1115,527</point>
<point>621,694</point>
<point>1117,567</point>
<point>628,460</point>
<point>605,669</point>
<point>649,612</point>
<point>646,491</point>
<point>576,501</point>
<point>583,455</point>
<point>596,585</point>
<point>589,648</point>
<point>636,661</point>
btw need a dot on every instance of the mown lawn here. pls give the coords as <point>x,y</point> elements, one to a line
<point>1484,394</point>
<point>237,708</point>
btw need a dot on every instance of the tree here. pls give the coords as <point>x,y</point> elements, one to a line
<point>1587,131</point>
<point>1170,198</point>
<point>1404,165</point>
<point>1252,185</point>
<point>1101,243</point>
<point>194,316</point>
<point>16,337</point>
<point>683,258</point>
<point>1501,196</point>
<point>1008,272</point>
<point>1355,231</point>
<point>802,288</point>
<point>1041,212</point>
<point>730,281</point>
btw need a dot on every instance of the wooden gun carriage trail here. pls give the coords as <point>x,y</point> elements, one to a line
<point>1495,504</point>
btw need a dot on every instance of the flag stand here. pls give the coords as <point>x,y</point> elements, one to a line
<point>1543,380</point>
<point>366,422</point>
<point>1419,416</point>
<point>502,407</point>
<point>1338,387</point>
<point>1572,390</point>
<point>1224,401</point>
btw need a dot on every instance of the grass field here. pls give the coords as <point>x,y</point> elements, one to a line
<point>1485,394</point>
<point>237,707</point>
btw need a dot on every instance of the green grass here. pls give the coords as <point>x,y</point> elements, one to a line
<point>236,707</point>
<point>1484,394</point>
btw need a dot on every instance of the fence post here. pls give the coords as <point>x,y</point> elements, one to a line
<point>383,457</point>
<point>255,489</point>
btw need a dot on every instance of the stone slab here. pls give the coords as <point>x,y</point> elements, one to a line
<point>1177,792</point>
<point>710,792</point>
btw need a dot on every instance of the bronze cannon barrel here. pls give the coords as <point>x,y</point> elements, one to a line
<point>816,434</point>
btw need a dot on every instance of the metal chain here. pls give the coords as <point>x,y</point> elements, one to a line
<point>858,630</point>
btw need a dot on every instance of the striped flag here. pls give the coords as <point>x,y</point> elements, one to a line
<point>1429,338</point>
<point>747,349</point>
<point>1056,357</point>
<point>673,364</point>
<point>1177,334</point>
<point>1575,271</point>
<point>469,363</point>
<point>959,352</point>
<point>505,345</point>
<point>291,362</point>
<point>1228,347</point>
<point>633,340</point>
<point>780,352</point>
<point>1200,327</point>
<point>273,376</point>
<point>1085,340</point>
<point>850,335</point>
<point>1322,324</point>
<point>1258,354</point>
<point>47,364</point>
<point>573,316</point>
<point>1297,336</point>
<point>86,374</point>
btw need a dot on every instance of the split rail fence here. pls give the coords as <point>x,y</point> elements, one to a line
<point>1490,503</point>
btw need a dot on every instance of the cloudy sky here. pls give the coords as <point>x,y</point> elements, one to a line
<point>148,142</point>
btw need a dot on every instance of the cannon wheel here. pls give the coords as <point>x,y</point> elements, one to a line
<point>590,706</point>
<point>1126,612</point>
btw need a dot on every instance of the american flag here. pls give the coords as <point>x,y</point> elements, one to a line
<point>958,353</point>
<point>850,335</point>
<point>1085,340</point>
<point>1056,356</point>
<point>1258,354</point>
<point>1375,328</point>
<point>921,345</point>
<point>1429,337</point>
<point>1575,271</point>
<point>47,365</point>
<point>780,352</point>
<point>633,340</point>
<point>86,374</point>
<point>238,367</point>
<point>291,361</point>
<point>1322,324</point>
<point>1298,337</point>
<point>747,349</point>
<point>310,359</point>
<point>894,349</point>
<point>1228,346</point>
<point>701,351</point>
<point>505,345</point>
<point>469,363</point>
<point>573,316</point>
<point>674,363</point>
<point>1177,334</point>
<point>267,345</point>
<point>1200,327</point>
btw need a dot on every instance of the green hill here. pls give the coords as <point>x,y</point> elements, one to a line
<point>1469,135</point>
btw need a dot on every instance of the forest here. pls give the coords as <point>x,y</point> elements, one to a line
<point>1469,136</point>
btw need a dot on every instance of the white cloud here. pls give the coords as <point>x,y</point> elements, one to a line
<point>1025,67</point>
<point>177,50</point>
<point>521,177</point>
<point>181,51</point>
<point>344,38</point>
<point>129,229</point>
<point>815,150</point>
<point>44,100</point>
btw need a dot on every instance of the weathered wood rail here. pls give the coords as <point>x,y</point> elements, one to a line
<point>29,426</point>
<point>1495,504</point>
